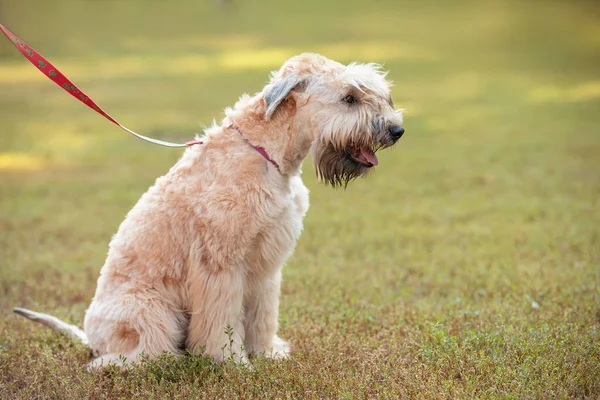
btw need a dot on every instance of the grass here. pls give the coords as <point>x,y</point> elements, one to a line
<point>466,266</point>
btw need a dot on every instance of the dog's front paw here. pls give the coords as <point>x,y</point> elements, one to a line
<point>281,349</point>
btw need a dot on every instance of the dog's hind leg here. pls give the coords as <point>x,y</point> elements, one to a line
<point>151,328</point>
<point>116,359</point>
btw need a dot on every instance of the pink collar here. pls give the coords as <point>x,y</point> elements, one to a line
<point>259,149</point>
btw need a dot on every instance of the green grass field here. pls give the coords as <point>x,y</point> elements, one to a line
<point>466,266</point>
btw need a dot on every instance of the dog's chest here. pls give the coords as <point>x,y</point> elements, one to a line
<point>274,244</point>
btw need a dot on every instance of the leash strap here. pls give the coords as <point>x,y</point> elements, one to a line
<point>57,77</point>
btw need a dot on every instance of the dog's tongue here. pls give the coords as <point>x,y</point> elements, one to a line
<point>369,156</point>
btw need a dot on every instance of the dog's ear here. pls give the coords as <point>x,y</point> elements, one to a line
<point>277,91</point>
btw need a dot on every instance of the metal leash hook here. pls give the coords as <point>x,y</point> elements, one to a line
<point>57,77</point>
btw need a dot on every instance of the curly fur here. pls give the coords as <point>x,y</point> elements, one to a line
<point>203,249</point>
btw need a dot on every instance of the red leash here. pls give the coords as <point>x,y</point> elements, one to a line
<point>57,77</point>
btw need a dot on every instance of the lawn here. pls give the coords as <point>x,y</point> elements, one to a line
<point>466,266</point>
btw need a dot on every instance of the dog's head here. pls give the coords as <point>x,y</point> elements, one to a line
<point>347,111</point>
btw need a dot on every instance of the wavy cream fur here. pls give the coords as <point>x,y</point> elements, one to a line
<point>203,249</point>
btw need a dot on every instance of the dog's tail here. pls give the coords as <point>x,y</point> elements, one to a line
<point>54,323</point>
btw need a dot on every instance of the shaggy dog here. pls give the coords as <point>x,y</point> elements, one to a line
<point>197,262</point>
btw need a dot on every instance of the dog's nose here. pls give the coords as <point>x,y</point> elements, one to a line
<point>396,131</point>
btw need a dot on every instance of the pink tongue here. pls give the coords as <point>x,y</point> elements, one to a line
<point>369,156</point>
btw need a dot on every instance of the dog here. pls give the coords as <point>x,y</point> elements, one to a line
<point>197,262</point>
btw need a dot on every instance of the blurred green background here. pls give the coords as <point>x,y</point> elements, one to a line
<point>467,263</point>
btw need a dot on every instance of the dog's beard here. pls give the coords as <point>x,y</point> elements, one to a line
<point>334,166</point>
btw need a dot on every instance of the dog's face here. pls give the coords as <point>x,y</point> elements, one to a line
<point>349,108</point>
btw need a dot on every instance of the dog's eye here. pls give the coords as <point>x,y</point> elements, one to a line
<point>349,99</point>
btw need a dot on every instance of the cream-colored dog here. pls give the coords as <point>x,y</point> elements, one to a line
<point>197,262</point>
